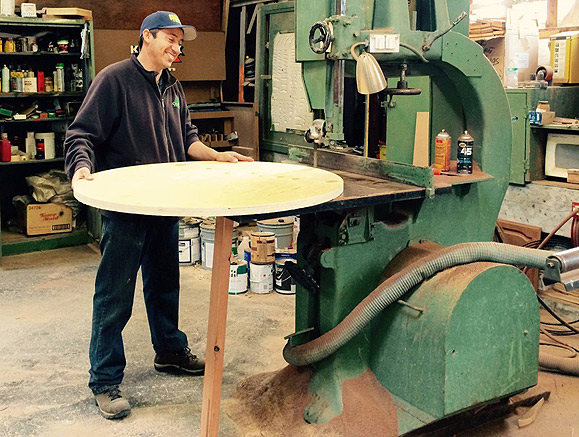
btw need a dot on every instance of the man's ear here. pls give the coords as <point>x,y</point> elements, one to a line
<point>147,35</point>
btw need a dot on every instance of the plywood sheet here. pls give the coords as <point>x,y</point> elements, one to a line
<point>203,188</point>
<point>540,205</point>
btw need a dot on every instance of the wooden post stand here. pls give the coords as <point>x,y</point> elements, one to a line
<point>216,327</point>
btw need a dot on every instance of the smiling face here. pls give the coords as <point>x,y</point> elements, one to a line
<point>162,50</point>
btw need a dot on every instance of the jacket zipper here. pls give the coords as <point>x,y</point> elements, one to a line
<point>166,135</point>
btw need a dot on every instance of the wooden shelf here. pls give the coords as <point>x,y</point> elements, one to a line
<point>76,55</point>
<point>208,115</point>
<point>566,127</point>
<point>38,120</point>
<point>32,162</point>
<point>13,174</point>
<point>14,243</point>
<point>550,31</point>
<point>20,95</point>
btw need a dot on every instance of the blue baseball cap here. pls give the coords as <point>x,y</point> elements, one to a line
<point>168,20</point>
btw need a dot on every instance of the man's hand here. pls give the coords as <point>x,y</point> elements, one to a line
<point>231,157</point>
<point>81,173</point>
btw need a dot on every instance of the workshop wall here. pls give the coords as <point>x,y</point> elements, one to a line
<point>122,16</point>
<point>115,14</point>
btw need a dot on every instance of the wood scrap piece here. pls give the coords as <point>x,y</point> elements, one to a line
<point>67,13</point>
<point>421,156</point>
<point>573,175</point>
<point>530,416</point>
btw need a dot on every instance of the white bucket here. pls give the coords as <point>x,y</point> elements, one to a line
<point>208,242</point>
<point>189,228</point>
<point>238,277</point>
<point>261,278</point>
<point>283,228</point>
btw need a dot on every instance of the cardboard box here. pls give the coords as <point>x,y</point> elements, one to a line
<point>44,218</point>
<point>494,50</point>
<point>514,49</point>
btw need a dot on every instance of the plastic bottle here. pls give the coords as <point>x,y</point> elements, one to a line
<point>243,246</point>
<point>19,76</point>
<point>40,148</point>
<point>5,149</point>
<point>512,76</point>
<point>40,81</point>
<point>59,78</point>
<point>13,81</point>
<point>5,79</point>
<point>30,145</point>
<point>77,78</point>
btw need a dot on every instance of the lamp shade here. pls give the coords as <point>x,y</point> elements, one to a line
<point>369,76</point>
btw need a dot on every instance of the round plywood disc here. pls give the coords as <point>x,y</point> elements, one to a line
<point>207,188</point>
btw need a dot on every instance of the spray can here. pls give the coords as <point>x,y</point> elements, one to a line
<point>442,151</point>
<point>464,153</point>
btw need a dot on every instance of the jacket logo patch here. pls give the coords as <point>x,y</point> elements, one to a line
<point>176,103</point>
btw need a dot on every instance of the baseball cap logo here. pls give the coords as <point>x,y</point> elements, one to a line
<point>175,18</point>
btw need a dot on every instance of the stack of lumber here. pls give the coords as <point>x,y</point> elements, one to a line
<point>481,29</point>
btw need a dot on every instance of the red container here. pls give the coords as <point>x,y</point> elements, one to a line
<point>40,81</point>
<point>5,150</point>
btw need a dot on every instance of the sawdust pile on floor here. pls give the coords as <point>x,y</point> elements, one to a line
<point>273,404</point>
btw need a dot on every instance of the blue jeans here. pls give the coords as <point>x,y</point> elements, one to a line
<point>150,243</point>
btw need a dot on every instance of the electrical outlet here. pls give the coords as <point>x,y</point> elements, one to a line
<point>384,42</point>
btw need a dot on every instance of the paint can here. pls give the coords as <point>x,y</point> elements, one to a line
<point>262,248</point>
<point>189,228</point>
<point>284,283</point>
<point>238,277</point>
<point>382,153</point>
<point>247,256</point>
<point>282,227</point>
<point>286,254</point>
<point>442,151</point>
<point>189,241</point>
<point>208,242</point>
<point>464,153</point>
<point>261,278</point>
<point>189,252</point>
<point>49,144</point>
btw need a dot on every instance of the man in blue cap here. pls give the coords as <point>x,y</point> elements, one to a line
<point>135,113</point>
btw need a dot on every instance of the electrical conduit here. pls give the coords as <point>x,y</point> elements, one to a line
<point>397,285</point>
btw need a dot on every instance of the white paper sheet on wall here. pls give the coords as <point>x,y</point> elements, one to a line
<point>290,108</point>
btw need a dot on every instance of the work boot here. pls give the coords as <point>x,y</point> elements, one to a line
<point>182,361</point>
<point>112,404</point>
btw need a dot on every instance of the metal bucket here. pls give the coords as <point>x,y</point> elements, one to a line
<point>283,228</point>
